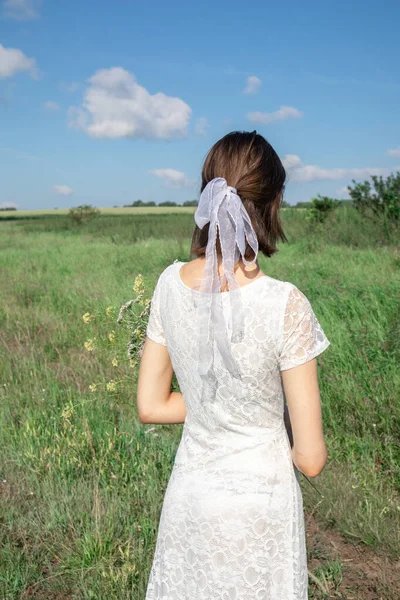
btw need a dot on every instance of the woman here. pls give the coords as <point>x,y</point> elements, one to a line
<point>232,525</point>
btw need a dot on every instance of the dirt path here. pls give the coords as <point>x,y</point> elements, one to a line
<point>340,569</point>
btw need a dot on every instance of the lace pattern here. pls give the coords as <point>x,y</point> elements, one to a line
<point>155,329</point>
<point>303,336</point>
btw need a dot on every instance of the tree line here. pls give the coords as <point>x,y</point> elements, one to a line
<point>167,203</point>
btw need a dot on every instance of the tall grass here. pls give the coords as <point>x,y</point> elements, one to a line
<point>82,480</point>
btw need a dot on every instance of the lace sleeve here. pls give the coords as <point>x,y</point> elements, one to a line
<point>303,336</point>
<point>155,330</point>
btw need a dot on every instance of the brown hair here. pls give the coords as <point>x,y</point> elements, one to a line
<point>249,164</point>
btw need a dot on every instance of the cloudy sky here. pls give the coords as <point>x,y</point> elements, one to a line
<point>105,102</point>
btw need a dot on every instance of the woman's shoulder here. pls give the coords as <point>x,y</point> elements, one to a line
<point>287,292</point>
<point>295,291</point>
<point>171,267</point>
<point>168,271</point>
<point>286,287</point>
<point>281,285</point>
<point>295,300</point>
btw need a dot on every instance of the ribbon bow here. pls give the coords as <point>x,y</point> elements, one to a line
<point>221,206</point>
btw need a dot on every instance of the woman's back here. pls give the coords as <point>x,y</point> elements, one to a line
<point>281,331</point>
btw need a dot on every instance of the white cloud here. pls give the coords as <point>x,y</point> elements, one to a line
<point>283,113</point>
<point>51,106</point>
<point>253,85</point>
<point>62,190</point>
<point>13,60</point>
<point>394,152</point>
<point>291,161</point>
<point>172,178</point>
<point>201,126</point>
<point>116,106</point>
<point>300,172</point>
<point>23,10</point>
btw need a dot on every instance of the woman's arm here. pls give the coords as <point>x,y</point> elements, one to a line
<point>301,388</point>
<point>155,401</point>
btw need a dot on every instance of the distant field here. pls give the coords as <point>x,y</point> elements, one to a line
<point>82,480</point>
<point>139,210</point>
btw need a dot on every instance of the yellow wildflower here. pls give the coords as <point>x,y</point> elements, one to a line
<point>114,362</point>
<point>86,317</point>
<point>111,386</point>
<point>111,336</point>
<point>137,332</point>
<point>109,310</point>
<point>132,363</point>
<point>138,285</point>
<point>68,411</point>
<point>93,387</point>
<point>89,345</point>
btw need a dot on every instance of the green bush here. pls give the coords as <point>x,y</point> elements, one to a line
<point>321,207</point>
<point>83,213</point>
<point>380,201</point>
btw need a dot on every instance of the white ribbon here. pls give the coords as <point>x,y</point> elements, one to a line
<point>221,206</point>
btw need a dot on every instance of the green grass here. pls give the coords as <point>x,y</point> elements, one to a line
<point>82,480</point>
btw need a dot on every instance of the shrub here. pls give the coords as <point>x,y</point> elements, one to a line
<point>321,207</point>
<point>83,213</point>
<point>378,201</point>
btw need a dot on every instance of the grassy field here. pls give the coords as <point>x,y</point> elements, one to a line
<point>82,480</point>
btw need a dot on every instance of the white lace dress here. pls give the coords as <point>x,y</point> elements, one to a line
<point>232,525</point>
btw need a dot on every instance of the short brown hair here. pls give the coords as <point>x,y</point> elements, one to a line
<point>248,163</point>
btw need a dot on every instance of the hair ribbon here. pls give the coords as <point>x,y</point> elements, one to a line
<point>221,207</point>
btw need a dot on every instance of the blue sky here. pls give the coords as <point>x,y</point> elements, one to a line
<point>106,102</point>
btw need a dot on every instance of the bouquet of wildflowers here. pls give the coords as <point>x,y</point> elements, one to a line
<point>108,340</point>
